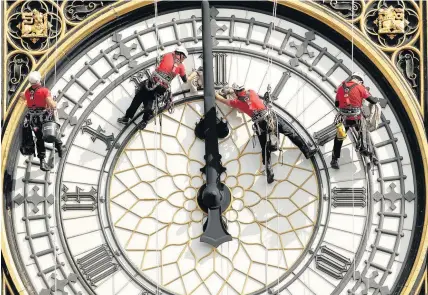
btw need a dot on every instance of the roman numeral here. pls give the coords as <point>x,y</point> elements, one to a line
<point>79,200</point>
<point>332,263</point>
<point>98,134</point>
<point>284,78</point>
<point>220,69</point>
<point>325,135</point>
<point>97,265</point>
<point>349,197</point>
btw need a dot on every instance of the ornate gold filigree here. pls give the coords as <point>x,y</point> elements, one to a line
<point>34,26</point>
<point>391,24</point>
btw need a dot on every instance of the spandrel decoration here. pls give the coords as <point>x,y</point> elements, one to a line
<point>348,9</point>
<point>18,67</point>
<point>77,10</point>
<point>408,63</point>
<point>34,25</point>
<point>391,24</point>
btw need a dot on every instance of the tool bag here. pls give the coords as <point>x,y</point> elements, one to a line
<point>27,141</point>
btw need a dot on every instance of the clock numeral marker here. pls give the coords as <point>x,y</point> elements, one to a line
<point>98,134</point>
<point>325,135</point>
<point>63,115</point>
<point>43,253</point>
<point>62,93</point>
<point>36,217</point>
<point>369,283</point>
<point>250,31</point>
<point>349,197</point>
<point>59,285</point>
<point>220,69</point>
<point>332,263</point>
<point>35,199</point>
<point>39,235</point>
<point>285,41</point>
<point>318,58</point>
<point>89,199</point>
<point>124,50</point>
<point>386,142</point>
<point>284,78</point>
<point>333,68</point>
<point>393,196</point>
<point>107,58</point>
<point>74,79</point>
<point>91,68</point>
<point>302,48</point>
<point>98,264</point>
<point>194,30</point>
<point>160,43</point>
<point>267,37</point>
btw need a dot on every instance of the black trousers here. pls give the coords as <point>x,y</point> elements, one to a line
<point>35,124</point>
<point>338,143</point>
<point>143,95</point>
<point>284,129</point>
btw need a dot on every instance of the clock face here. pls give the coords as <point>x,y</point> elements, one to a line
<point>118,214</point>
<point>157,220</point>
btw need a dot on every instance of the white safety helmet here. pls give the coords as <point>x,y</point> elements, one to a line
<point>34,77</point>
<point>183,50</point>
<point>358,75</point>
<point>237,87</point>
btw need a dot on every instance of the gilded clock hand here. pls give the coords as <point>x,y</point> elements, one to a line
<point>214,197</point>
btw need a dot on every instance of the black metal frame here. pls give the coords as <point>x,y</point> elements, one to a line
<point>337,39</point>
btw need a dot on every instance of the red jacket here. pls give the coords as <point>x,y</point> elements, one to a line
<point>170,67</point>
<point>37,98</point>
<point>354,98</point>
<point>254,103</point>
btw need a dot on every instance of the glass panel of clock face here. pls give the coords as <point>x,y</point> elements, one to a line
<point>156,216</point>
<point>119,210</point>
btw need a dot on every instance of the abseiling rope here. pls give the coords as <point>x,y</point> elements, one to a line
<point>53,150</point>
<point>269,77</point>
<point>155,137</point>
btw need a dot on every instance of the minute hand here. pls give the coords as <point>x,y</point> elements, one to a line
<point>215,233</point>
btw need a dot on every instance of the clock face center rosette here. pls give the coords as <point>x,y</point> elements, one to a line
<point>157,213</point>
<point>225,202</point>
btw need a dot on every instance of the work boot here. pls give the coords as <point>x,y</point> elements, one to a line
<point>269,174</point>
<point>123,120</point>
<point>43,165</point>
<point>61,151</point>
<point>334,164</point>
<point>142,125</point>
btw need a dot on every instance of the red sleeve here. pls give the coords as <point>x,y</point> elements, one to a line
<point>234,103</point>
<point>46,92</point>
<point>364,92</point>
<point>182,70</point>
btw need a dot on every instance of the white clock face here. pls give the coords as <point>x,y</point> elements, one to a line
<point>158,221</point>
<point>124,219</point>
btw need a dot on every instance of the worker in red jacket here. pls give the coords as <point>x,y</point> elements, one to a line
<point>349,99</point>
<point>41,108</point>
<point>249,102</point>
<point>157,88</point>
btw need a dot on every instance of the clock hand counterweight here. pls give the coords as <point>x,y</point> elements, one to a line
<point>213,196</point>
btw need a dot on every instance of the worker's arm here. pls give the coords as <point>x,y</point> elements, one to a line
<point>50,102</point>
<point>222,99</point>
<point>336,102</point>
<point>22,96</point>
<point>372,100</point>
